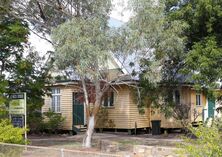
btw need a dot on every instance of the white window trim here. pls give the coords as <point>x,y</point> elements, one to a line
<point>56,106</point>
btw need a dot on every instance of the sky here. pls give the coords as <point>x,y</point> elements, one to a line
<point>118,16</point>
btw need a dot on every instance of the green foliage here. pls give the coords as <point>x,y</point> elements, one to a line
<point>208,142</point>
<point>35,122</point>
<point>83,45</point>
<point>160,96</point>
<point>203,17</point>
<point>3,100</point>
<point>205,58</point>
<point>203,47</point>
<point>10,134</point>
<point>192,55</point>
<point>48,121</point>
<point>19,72</point>
<point>30,76</point>
<point>53,121</point>
<point>13,36</point>
<point>157,41</point>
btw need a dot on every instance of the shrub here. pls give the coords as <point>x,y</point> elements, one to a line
<point>207,142</point>
<point>35,122</point>
<point>11,134</point>
<point>53,121</point>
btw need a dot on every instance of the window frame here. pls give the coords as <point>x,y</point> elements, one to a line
<point>56,100</point>
<point>175,97</point>
<point>198,99</point>
<point>109,97</point>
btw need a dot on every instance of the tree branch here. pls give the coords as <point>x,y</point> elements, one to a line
<point>42,37</point>
<point>41,11</point>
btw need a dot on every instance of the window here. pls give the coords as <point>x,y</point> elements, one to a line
<point>56,100</point>
<point>177,97</point>
<point>108,100</point>
<point>198,99</point>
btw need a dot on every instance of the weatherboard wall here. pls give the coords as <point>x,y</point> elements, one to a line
<point>137,119</point>
<point>119,113</point>
<point>125,113</point>
<point>188,96</point>
<point>65,104</point>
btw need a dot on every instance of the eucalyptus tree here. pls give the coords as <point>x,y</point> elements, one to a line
<point>155,38</point>
<point>83,44</point>
<point>158,44</point>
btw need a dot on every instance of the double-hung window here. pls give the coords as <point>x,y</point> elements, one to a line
<point>198,99</point>
<point>108,100</point>
<point>55,99</point>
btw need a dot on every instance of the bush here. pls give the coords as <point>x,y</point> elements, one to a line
<point>53,121</point>
<point>11,134</point>
<point>35,122</point>
<point>207,142</point>
<point>48,121</point>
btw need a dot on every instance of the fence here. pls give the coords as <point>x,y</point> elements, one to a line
<point>15,150</point>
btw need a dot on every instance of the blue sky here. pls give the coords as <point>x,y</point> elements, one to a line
<point>115,23</point>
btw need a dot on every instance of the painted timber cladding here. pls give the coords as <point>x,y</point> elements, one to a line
<point>125,112</point>
<point>137,119</point>
<point>65,104</point>
<point>119,113</point>
<point>185,98</point>
<point>198,108</point>
<point>188,96</point>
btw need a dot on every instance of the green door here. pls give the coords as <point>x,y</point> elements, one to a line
<point>78,109</point>
<point>211,106</point>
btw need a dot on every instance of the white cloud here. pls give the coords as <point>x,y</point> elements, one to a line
<point>120,11</point>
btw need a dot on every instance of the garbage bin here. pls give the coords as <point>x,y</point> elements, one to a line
<point>156,127</point>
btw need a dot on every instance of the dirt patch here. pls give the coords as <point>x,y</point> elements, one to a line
<point>126,142</point>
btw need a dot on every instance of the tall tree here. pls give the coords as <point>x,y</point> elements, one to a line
<point>13,35</point>
<point>21,69</point>
<point>83,45</point>
<point>203,49</point>
<point>158,44</point>
<point>30,75</point>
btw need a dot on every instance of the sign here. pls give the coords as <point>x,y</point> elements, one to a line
<point>17,110</point>
<point>18,121</point>
<point>17,96</point>
<point>17,104</point>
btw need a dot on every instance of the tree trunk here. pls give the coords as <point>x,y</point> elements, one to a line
<point>87,140</point>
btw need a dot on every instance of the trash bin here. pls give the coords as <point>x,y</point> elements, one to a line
<point>156,127</point>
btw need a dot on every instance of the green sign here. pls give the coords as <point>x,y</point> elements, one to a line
<point>17,104</point>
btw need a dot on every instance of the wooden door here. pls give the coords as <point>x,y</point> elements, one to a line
<point>78,109</point>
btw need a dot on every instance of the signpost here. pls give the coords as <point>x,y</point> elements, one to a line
<point>17,110</point>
